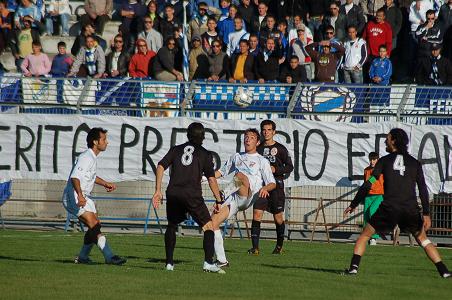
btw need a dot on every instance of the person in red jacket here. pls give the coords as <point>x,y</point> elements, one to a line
<point>141,62</point>
<point>378,32</point>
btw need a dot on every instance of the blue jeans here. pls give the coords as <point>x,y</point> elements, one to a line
<point>64,20</point>
<point>352,76</point>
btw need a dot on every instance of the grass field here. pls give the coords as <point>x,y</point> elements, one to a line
<point>39,265</point>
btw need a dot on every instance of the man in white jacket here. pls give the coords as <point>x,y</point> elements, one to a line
<point>355,57</point>
<point>235,37</point>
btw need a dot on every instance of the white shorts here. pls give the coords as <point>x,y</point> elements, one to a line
<point>70,203</point>
<point>237,203</point>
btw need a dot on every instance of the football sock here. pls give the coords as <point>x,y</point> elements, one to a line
<point>104,247</point>
<point>354,264</point>
<point>85,251</point>
<point>441,267</point>
<point>255,233</point>
<point>208,245</point>
<point>280,234</point>
<point>170,243</point>
<point>219,248</point>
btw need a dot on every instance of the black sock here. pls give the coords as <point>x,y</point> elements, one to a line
<point>280,234</point>
<point>208,244</point>
<point>255,233</point>
<point>354,264</point>
<point>170,243</point>
<point>441,267</point>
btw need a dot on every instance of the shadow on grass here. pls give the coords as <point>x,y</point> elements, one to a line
<point>18,259</point>
<point>323,270</point>
<point>163,261</point>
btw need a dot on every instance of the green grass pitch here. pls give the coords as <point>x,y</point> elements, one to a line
<point>39,265</point>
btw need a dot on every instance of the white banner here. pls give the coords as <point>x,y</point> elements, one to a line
<point>329,154</point>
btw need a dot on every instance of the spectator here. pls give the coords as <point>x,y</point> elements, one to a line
<point>377,33</point>
<point>259,21</point>
<point>316,10</point>
<point>6,22</point>
<point>354,15</point>
<point>355,57</point>
<point>247,10</point>
<point>445,21</point>
<point>169,22</point>
<point>117,61</point>
<point>297,23</point>
<point>271,32</point>
<point>197,59</point>
<point>132,13</point>
<point>254,49</point>
<point>267,63</point>
<point>153,38</point>
<point>224,9</point>
<point>227,25</point>
<point>324,60</point>
<point>218,62</point>
<point>98,12</point>
<point>298,49</point>
<point>198,23</point>
<point>236,36</point>
<point>152,12</point>
<point>140,65</point>
<point>58,10</point>
<point>242,64</point>
<point>210,35</point>
<point>434,70</point>
<point>338,21</point>
<point>294,73</point>
<point>417,16</point>
<point>293,8</point>
<point>428,33</point>
<point>164,63</point>
<point>62,62</point>
<point>394,18</point>
<point>90,60</point>
<point>193,6</point>
<point>87,30</point>
<point>381,68</point>
<point>36,64</point>
<point>21,42</point>
<point>178,10</point>
<point>371,7</point>
<point>27,9</point>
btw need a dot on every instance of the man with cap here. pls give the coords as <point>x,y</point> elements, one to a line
<point>198,23</point>
<point>198,62</point>
<point>435,69</point>
<point>22,39</point>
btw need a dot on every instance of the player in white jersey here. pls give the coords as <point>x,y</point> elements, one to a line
<point>253,177</point>
<point>77,201</point>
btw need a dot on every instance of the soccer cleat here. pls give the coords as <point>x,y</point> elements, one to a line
<point>212,268</point>
<point>81,260</point>
<point>372,242</point>
<point>222,264</point>
<point>253,251</point>
<point>351,271</point>
<point>277,250</point>
<point>116,260</point>
<point>447,275</point>
<point>169,267</point>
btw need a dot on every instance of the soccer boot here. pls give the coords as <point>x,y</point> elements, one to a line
<point>116,260</point>
<point>169,267</point>
<point>447,275</point>
<point>253,251</point>
<point>81,260</point>
<point>372,242</point>
<point>212,268</point>
<point>351,271</point>
<point>222,264</point>
<point>277,250</point>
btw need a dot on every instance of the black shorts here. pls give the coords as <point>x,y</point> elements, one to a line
<point>177,207</point>
<point>386,218</point>
<point>274,204</point>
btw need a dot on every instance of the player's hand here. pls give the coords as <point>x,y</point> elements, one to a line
<point>81,201</point>
<point>263,193</point>
<point>348,210</point>
<point>110,187</point>
<point>157,199</point>
<point>216,208</point>
<point>427,223</point>
<point>273,169</point>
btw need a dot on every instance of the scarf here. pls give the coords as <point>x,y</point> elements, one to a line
<point>434,75</point>
<point>90,62</point>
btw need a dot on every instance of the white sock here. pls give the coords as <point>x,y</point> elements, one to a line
<point>219,248</point>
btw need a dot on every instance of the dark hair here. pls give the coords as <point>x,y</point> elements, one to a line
<point>268,122</point>
<point>352,26</point>
<point>94,135</point>
<point>381,10</point>
<point>294,57</point>
<point>86,25</point>
<point>401,139</point>
<point>36,43</point>
<point>283,21</point>
<point>170,38</point>
<point>211,18</point>
<point>216,40</point>
<point>430,12</point>
<point>382,47</point>
<point>244,41</point>
<point>169,5</point>
<point>61,44</point>
<point>329,27</point>
<point>253,35</point>
<point>271,16</point>
<point>373,155</point>
<point>255,131</point>
<point>195,133</point>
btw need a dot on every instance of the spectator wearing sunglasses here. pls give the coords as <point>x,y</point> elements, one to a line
<point>117,60</point>
<point>164,63</point>
<point>153,38</point>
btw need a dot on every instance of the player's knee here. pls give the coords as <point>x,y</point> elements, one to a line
<point>425,243</point>
<point>257,215</point>
<point>208,226</point>
<point>241,179</point>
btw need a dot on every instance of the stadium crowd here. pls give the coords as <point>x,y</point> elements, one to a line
<point>348,41</point>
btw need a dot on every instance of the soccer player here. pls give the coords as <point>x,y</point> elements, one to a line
<point>188,162</point>
<point>76,198</point>
<point>375,196</point>
<point>281,166</point>
<point>401,173</point>
<point>253,178</point>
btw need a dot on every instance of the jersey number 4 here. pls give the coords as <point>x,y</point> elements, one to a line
<point>187,157</point>
<point>399,165</point>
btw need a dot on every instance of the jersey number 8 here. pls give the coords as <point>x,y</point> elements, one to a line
<point>187,157</point>
<point>399,165</point>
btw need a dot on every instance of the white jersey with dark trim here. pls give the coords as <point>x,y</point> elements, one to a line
<point>85,170</point>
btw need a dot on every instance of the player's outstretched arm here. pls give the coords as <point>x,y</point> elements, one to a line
<point>157,198</point>
<point>109,187</point>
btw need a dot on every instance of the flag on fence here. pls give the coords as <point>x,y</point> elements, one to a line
<point>5,191</point>
<point>185,38</point>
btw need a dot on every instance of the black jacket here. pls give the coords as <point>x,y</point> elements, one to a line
<point>298,74</point>
<point>248,71</point>
<point>424,69</point>
<point>165,60</point>
<point>123,63</point>
<point>354,17</point>
<point>267,70</point>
